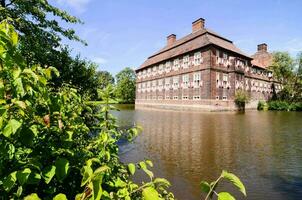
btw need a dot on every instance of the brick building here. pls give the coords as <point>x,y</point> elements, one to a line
<point>203,70</point>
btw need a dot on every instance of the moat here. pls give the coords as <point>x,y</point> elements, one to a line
<point>263,148</point>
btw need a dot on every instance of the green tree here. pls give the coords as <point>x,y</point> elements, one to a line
<point>287,71</point>
<point>41,35</point>
<point>104,78</point>
<point>125,85</point>
<point>39,25</point>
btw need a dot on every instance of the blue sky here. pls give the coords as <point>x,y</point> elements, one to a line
<point>123,33</point>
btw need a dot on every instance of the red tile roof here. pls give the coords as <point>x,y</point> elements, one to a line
<point>192,42</point>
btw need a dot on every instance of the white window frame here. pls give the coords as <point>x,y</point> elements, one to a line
<point>168,66</point>
<point>185,80</point>
<point>175,82</point>
<point>185,61</point>
<point>197,58</point>
<point>197,80</point>
<point>176,64</point>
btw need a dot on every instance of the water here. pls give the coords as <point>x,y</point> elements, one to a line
<point>263,148</point>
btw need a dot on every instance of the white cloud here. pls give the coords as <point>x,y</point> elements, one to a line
<point>99,60</point>
<point>79,5</point>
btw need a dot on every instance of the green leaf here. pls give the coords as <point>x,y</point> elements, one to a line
<point>60,197</point>
<point>149,193</point>
<point>205,187</point>
<point>99,172</point>
<point>97,189</point>
<point>225,196</point>
<point>162,181</point>
<point>87,173</point>
<point>34,178</point>
<point>23,175</point>
<point>62,168</point>
<point>33,196</point>
<point>235,180</point>
<point>131,168</point>
<point>11,127</point>
<point>149,162</point>
<point>19,191</point>
<point>19,87</point>
<point>142,165</point>
<point>9,181</point>
<point>16,73</point>
<point>48,173</point>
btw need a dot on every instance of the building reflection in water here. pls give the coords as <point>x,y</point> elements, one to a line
<point>263,148</point>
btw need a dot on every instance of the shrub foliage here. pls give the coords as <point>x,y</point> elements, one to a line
<point>53,145</point>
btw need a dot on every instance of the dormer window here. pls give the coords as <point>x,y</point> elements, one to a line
<point>185,62</point>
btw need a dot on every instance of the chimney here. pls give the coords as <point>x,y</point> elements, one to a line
<point>198,25</point>
<point>262,47</point>
<point>171,39</point>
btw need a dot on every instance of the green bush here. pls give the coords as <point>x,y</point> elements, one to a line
<point>260,105</point>
<point>55,146</point>
<point>278,105</point>
<point>284,106</point>
<point>241,98</point>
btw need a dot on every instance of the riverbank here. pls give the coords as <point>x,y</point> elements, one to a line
<point>280,106</point>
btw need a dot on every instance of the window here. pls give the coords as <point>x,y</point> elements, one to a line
<point>154,70</point>
<point>176,64</point>
<point>160,84</point>
<point>160,97</point>
<point>217,76</point>
<point>167,83</point>
<point>197,58</point>
<point>175,82</point>
<point>160,68</point>
<point>225,56</point>
<point>196,79</point>
<point>217,97</point>
<point>196,97</point>
<point>217,79</point>
<point>149,72</point>
<point>175,97</point>
<point>185,62</point>
<point>185,81</point>
<point>224,98</point>
<point>154,85</point>
<point>168,66</point>
<point>167,97</point>
<point>185,97</point>
<point>225,77</point>
<point>217,53</point>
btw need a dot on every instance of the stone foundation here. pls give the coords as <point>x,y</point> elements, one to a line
<point>191,105</point>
